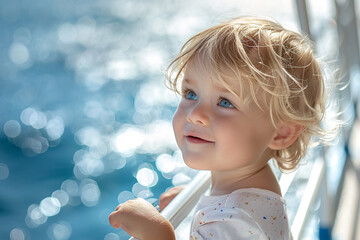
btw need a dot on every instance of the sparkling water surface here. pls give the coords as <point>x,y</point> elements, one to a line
<point>85,116</point>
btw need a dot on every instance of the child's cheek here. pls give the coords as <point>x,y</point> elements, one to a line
<point>178,124</point>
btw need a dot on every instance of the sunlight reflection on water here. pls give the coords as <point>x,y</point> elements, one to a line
<point>94,72</point>
<point>17,234</point>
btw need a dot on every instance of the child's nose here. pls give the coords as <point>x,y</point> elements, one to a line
<point>199,114</point>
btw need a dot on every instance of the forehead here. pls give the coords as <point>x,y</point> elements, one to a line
<point>200,69</point>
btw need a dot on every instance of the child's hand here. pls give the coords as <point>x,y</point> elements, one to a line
<point>168,196</point>
<point>141,220</point>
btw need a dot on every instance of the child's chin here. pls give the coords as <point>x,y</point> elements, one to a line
<point>195,166</point>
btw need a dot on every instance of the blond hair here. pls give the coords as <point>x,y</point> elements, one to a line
<point>265,58</point>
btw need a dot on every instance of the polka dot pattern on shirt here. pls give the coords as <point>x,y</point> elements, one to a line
<point>261,211</point>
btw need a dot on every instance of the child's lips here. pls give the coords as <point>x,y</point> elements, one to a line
<point>196,140</point>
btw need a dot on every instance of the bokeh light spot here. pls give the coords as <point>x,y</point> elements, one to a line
<point>147,177</point>
<point>36,216</point>
<point>180,179</point>
<point>61,196</point>
<point>4,171</point>
<point>12,128</point>
<point>18,53</point>
<point>90,193</point>
<point>55,128</point>
<point>125,196</point>
<point>50,206</point>
<point>71,187</point>
<point>88,136</point>
<point>32,146</point>
<point>128,140</point>
<point>60,231</point>
<point>26,114</point>
<point>17,234</point>
<point>121,70</point>
<point>38,120</point>
<point>165,163</point>
<point>111,236</point>
<point>67,33</point>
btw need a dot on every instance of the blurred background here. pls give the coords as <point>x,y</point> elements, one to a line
<point>85,119</point>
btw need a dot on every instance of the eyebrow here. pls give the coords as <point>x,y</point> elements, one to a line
<point>219,88</point>
<point>222,89</point>
<point>188,81</point>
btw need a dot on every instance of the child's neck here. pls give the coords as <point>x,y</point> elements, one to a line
<point>228,182</point>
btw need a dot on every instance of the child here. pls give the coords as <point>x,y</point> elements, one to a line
<point>251,91</point>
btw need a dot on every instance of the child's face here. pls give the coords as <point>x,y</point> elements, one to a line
<point>214,130</point>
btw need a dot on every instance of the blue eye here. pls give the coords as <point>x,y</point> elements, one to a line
<point>190,95</point>
<point>226,103</point>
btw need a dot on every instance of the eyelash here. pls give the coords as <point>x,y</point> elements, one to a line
<point>185,92</point>
<point>224,99</point>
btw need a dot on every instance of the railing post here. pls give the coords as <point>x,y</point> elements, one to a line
<point>308,199</point>
<point>303,17</point>
<point>326,209</point>
<point>349,53</point>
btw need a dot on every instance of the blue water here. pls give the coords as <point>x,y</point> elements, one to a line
<point>61,109</point>
<point>85,119</point>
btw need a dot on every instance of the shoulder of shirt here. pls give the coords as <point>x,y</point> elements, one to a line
<point>256,193</point>
<point>266,209</point>
<point>258,203</point>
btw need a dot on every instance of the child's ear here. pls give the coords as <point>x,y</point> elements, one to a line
<point>286,135</point>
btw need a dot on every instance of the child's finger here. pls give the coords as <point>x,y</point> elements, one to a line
<point>117,208</point>
<point>115,219</point>
<point>168,196</point>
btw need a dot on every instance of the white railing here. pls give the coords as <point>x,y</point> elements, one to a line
<point>311,193</point>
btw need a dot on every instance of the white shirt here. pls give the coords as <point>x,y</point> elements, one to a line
<point>244,214</point>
